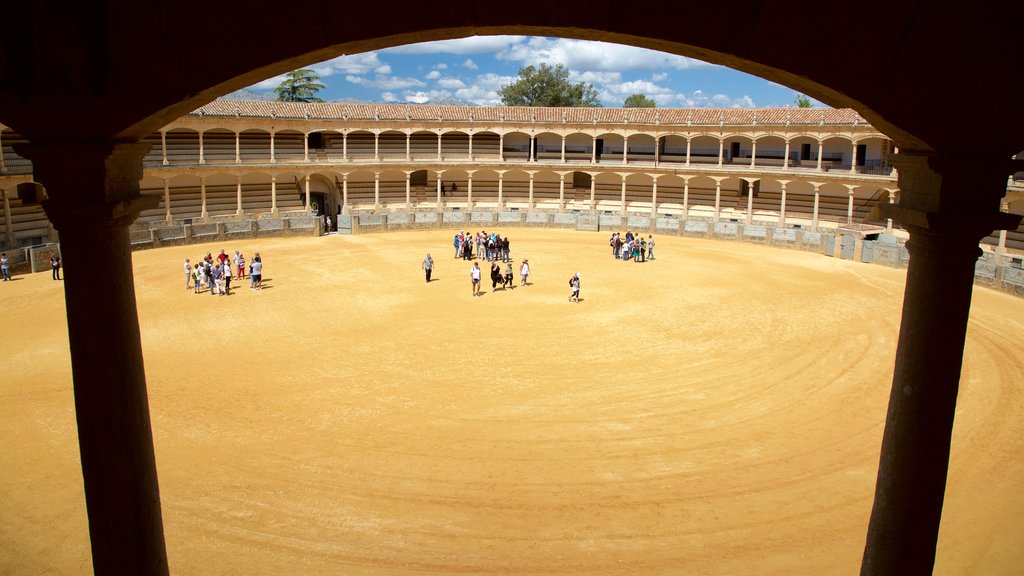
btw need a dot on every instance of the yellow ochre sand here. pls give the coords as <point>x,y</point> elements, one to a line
<point>716,411</point>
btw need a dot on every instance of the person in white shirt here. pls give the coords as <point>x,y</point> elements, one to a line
<point>575,283</point>
<point>188,274</point>
<point>524,272</point>
<point>474,273</point>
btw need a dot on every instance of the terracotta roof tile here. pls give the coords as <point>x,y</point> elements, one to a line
<point>525,114</point>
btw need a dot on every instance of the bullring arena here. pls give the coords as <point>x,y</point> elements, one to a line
<point>717,410</point>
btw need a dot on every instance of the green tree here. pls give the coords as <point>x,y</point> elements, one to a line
<point>638,101</point>
<point>299,86</point>
<point>547,86</point>
<point>802,101</point>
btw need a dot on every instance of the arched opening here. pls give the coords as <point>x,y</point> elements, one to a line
<point>788,61</point>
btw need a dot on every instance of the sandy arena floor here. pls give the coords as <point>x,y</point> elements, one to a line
<point>716,411</point>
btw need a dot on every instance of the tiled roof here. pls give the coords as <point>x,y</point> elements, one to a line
<point>520,114</point>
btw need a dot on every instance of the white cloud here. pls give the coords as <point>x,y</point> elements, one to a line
<point>589,55</point>
<point>469,64</point>
<point>388,97</point>
<point>461,46</point>
<point>433,75</point>
<point>441,66</point>
<point>592,77</point>
<point>356,64</point>
<point>451,83</point>
<point>269,83</point>
<point>659,76</point>
<point>417,97</point>
<point>385,82</point>
<point>698,99</point>
<point>483,90</point>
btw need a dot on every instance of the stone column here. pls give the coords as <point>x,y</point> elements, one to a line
<point>1001,246</point>
<point>273,194</point>
<point>94,196</point>
<point>593,153</point>
<point>750,201</point>
<point>533,149</point>
<point>529,202</point>
<point>561,191</point>
<point>718,197</point>
<point>686,197</point>
<point>470,146</point>
<point>593,184</point>
<point>344,146</point>
<point>753,153</point>
<point>625,148</point>
<point>688,139</point>
<point>654,196</point>
<point>202,155</point>
<point>849,205</point>
<point>657,151</point>
<point>272,159</point>
<point>306,182</point>
<point>439,146</point>
<point>785,157</point>
<point>408,189</point>
<point>888,221</point>
<point>821,150</point>
<point>238,148</point>
<point>501,147</point>
<point>501,180</point>
<point>376,146</point>
<point>8,226</point>
<point>721,150</point>
<point>163,146</point>
<point>376,190</point>
<point>563,149</point>
<point>782,203</point>
<point>238,195</point>
<point>167,201</point>
<point>853,159</point>
<point>945,226</point>
<point>469,189</point>
<point>305,147</point>
<point>202,197</point>
<point>817,197</point>
<point>408,147</point>
<point>623,200</point>
<point>344,194</point>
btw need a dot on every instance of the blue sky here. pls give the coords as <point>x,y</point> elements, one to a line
<point>473,69</point>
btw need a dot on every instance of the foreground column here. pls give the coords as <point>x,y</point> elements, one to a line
<point>93,196</point>
<point>947,207</point>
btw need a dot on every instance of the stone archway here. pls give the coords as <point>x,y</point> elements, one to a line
<point>91,169</point>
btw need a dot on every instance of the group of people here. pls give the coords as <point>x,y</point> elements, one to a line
<point>216,273</point>
<point>630,247</point>
<point>488,246</point>
<point>5,266</point>
<point>506,280</point>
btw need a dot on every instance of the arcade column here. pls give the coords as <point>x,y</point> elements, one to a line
<point>93,196</point>
<point>948,206</point>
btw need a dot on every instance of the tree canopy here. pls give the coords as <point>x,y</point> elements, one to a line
<point>638,101</point>
<point>802,101</point>
<point>299,86</point>
<point>547,86</point>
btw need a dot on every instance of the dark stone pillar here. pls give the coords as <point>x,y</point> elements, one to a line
<point>93,196</point>
<point>947,209</point>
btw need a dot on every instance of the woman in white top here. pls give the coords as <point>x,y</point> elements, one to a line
<point>524,272</point>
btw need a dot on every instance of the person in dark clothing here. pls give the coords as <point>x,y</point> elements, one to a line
<point>504,249</point>
<point>495,274</point>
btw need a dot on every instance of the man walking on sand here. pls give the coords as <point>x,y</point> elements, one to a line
<point>428,266</point>
<point>474,273</point>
